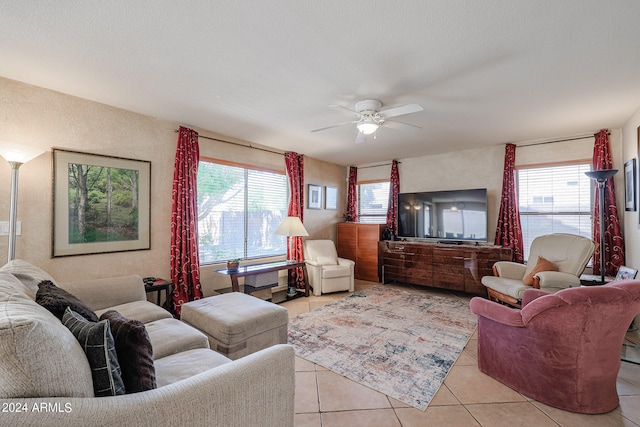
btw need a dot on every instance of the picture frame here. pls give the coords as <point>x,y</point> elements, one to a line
<point>330,198</point>
<point>625,272</point>
<point>101,204</point>
<point>630,185</point>
<point>314,195</point>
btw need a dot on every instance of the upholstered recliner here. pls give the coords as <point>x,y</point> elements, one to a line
<point>561,349</point>
<point>327,272</point>
<point>566,253</point>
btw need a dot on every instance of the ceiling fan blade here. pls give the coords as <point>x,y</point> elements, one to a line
<point>344,109</point>
<point>401,126</point>
<point>399,111</point>
<point>333,126</point>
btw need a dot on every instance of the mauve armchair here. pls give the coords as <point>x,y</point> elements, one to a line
<point>561,349</point>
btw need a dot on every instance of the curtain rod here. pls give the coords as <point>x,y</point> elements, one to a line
<point>375,166</point>
<point>236,143</point>
<point>558,140</point>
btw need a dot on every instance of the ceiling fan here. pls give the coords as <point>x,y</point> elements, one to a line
<point>369,117</point>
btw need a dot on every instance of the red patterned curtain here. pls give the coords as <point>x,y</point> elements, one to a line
<point>509,230</point>
<point>613,239</point>
<point>185,263</point>
<point>394,190</point>
<point>352,195</point>
<point>295,171</point>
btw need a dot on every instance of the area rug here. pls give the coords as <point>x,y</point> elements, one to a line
<point>399,343</point>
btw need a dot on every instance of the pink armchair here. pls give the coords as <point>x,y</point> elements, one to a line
<point>561,349</point>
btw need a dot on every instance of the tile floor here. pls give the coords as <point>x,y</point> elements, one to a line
<point>467,397</point>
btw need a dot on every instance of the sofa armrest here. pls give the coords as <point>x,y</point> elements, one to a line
<point>510,270</point>
<point>344,261</point>
<point>532,294</point>
<point>256,390</point>
<point>105,293</point>
<point>557,280</point>
<point>496,312</point>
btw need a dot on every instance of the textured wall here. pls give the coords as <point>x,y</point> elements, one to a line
<point>42,118</point>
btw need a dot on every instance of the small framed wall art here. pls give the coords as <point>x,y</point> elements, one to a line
<point>314,194</point>
<point>630,185</point>
<point>330,198</point>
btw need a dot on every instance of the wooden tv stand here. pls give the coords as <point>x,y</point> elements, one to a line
<point>455,267</point>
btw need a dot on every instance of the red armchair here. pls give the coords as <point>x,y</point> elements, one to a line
<point>561,349</point>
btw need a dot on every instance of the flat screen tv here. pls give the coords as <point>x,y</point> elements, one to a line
<point>455,215</point>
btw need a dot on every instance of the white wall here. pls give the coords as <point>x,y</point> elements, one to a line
<point>631,227</point>
<point>631,147</point>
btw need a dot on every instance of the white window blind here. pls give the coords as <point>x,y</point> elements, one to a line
<point>554,199</point>
<point>239,210</point>
<point>373,202</point>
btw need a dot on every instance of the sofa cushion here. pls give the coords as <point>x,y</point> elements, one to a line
<point>541,265</point>
<point>135,354</point>
<point>98,345</point>
<point>188,363</point>
<point>38,355</point>
<point>331,271</point>
<point>105,293</point>
<point>327,260</point>
<point>143,311</point>
<point>56,300</point>
<point>27,273</point>
<point>170,336</point>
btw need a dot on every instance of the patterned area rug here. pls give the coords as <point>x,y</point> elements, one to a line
<point>399,343</point>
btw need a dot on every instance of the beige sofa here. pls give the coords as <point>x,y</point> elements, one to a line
<point>45,378</point>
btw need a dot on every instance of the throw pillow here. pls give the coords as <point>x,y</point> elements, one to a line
<point>97,342</point>
<point>134,350</point>
<point>327,260</point>
<point>542,265</point>
<point>56,300</point>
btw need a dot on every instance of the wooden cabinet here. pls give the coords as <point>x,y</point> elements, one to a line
<point>459,268</point>
<point>359,243</point>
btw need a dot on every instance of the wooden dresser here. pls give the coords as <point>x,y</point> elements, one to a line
<point>454,267</point>
<point>359,243</point>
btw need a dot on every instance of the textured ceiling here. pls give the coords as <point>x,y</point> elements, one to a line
<point>486,72</point>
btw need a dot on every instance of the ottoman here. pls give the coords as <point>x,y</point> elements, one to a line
<point>237,324</point>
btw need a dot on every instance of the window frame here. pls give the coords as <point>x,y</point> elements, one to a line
<point>576,162</point>
<point>246,167</point>
<point>360,216</point>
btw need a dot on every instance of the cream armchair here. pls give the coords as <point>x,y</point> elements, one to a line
<point>556,262</point>
<point>327,272</point>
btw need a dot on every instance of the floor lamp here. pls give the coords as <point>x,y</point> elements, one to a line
<point>16,155</point>
<point>601,176</point>
<point>291,226</point>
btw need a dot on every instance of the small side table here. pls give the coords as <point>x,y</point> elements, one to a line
<point>158,286</point>
<point>594,280</point>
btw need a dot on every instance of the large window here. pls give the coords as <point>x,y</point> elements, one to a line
<point>373,201</point>
<point>239,209</point>
<point>554,199</point>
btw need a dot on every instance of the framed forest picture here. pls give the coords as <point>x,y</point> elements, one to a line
<point>100,204</point>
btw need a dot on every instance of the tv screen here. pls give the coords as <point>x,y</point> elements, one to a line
<point>444,215</point>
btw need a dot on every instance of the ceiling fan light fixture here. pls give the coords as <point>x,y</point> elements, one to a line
<point>367,126</point>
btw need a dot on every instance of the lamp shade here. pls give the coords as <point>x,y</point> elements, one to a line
<point>291,226</point>
<point>602,174</point>
<point>18,153</point>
